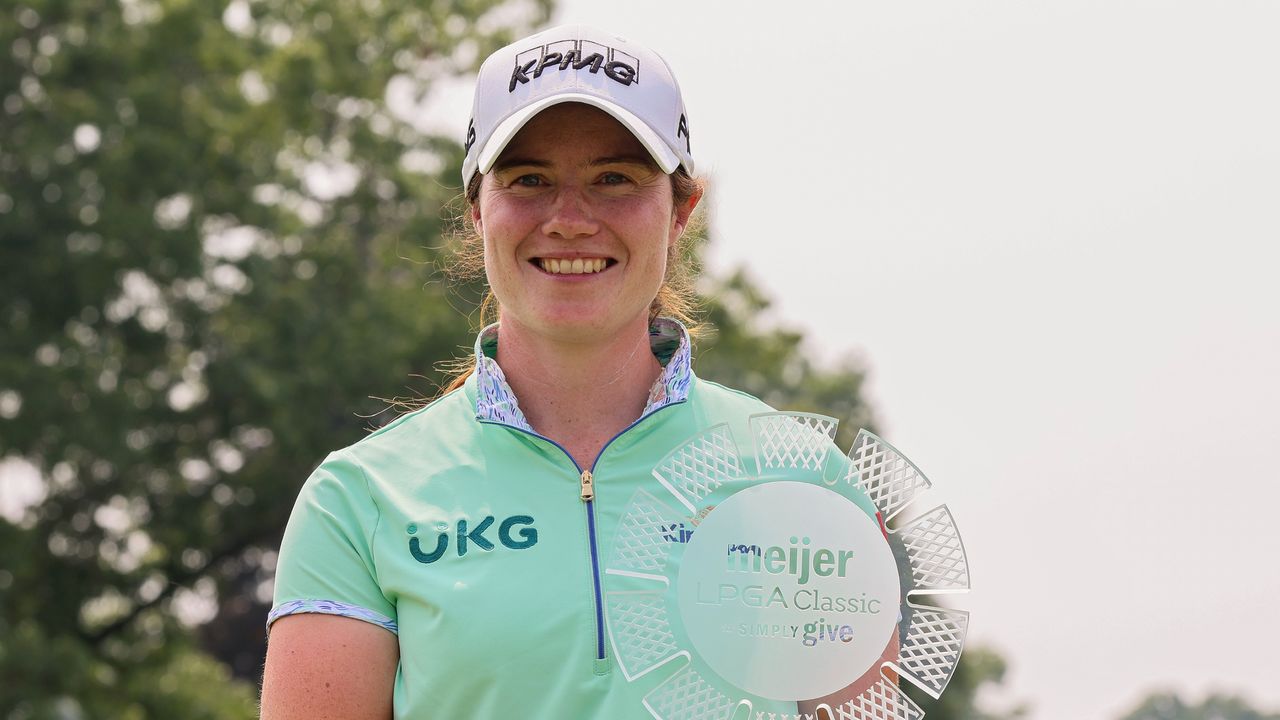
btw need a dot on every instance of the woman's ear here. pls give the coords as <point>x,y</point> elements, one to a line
<point>683,212</point>
<point>475,217</point>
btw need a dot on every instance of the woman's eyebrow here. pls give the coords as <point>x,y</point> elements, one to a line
<point>623,159</point>
<point>511,162</point>
<point>505,163</point>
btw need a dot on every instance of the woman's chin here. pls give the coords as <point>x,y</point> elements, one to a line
<point>579,324</point>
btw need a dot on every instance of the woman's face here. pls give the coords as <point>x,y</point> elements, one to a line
<point>576,220</point>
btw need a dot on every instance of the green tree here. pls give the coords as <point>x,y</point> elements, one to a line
<point>215,242</point>
<point>1169,706</point>
<point>773,363</point>
<point>979,668</point>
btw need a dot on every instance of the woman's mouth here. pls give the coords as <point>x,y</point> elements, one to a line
<point>572,266</point>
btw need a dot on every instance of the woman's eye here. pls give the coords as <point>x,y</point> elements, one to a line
<point>613,178</point>
<point>527,181</point>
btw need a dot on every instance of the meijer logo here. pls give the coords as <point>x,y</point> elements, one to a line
<point>794,560</point>
<point>467,535</point>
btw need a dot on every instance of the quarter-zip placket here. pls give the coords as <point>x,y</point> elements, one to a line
<point>587,495</point>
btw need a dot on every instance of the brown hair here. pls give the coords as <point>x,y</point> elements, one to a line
<point>675,299</point>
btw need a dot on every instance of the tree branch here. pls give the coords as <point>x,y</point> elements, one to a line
<point>176,579</point>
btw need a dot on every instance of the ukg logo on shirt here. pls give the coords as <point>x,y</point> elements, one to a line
<point>516,532</point>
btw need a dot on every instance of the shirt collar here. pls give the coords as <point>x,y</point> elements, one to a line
<point>668,339</point>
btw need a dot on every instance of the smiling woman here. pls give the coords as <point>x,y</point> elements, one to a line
<point>674,298</point>
<point>450,564</point>
<point>576,190</point>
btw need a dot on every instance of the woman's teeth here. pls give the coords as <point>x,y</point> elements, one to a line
<point>576,266</point>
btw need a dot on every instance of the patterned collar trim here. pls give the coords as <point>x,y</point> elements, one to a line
<point>496,402</point>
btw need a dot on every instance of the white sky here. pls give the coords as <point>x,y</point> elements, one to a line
<point>1052,231</point>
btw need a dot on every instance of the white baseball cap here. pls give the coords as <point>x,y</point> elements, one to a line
<point>572,63</point>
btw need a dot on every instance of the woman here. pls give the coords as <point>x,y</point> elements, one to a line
<point>448,565</point>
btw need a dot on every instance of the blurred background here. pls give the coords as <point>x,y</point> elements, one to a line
<point>1032,244</point>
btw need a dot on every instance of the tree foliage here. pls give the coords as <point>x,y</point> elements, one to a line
<point>1169,706</point>
<point>979,669</point>
<point>215,243</point>
<point>774,364</point>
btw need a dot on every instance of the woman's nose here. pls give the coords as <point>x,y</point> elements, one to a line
<point>570,215</point>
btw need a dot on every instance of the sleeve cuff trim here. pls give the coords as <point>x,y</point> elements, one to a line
<point>331,607</point>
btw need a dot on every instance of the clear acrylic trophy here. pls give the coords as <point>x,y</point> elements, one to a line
<point>767,586</point>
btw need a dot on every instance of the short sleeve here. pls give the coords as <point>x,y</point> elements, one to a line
<point>326,557</point>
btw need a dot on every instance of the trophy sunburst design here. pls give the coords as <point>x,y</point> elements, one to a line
<point>645,623</point>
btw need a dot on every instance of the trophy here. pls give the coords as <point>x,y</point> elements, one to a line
<point>767,585</point>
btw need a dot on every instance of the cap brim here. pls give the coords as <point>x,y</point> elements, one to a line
<point>507,129</point>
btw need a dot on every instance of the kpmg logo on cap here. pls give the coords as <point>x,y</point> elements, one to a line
<point>576,54</point>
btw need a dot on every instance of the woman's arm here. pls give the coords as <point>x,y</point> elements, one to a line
<point>327,666</point>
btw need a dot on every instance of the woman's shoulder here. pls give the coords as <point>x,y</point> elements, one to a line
<point>418,444</point>
<point>443,420</point>
<point>729,399</point>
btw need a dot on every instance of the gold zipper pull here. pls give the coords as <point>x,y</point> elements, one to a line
<point>588,490</point>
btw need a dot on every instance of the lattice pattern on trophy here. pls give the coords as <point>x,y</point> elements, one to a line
<point>881,701</point>
<point>792,440</point>
<point>696,468</point>
<point>888,478</point>
<point>935,562</point>
<point>641,544</point>
<point>932,649</point>
<point>768,715</point>
<point>639,631</point>
<point>936,554</point>
<point>688,696</point>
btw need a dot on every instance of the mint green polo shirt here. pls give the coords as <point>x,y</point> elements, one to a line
<point>462,531</point>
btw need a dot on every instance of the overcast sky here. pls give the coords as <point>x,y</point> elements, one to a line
<point>1052,232</point>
